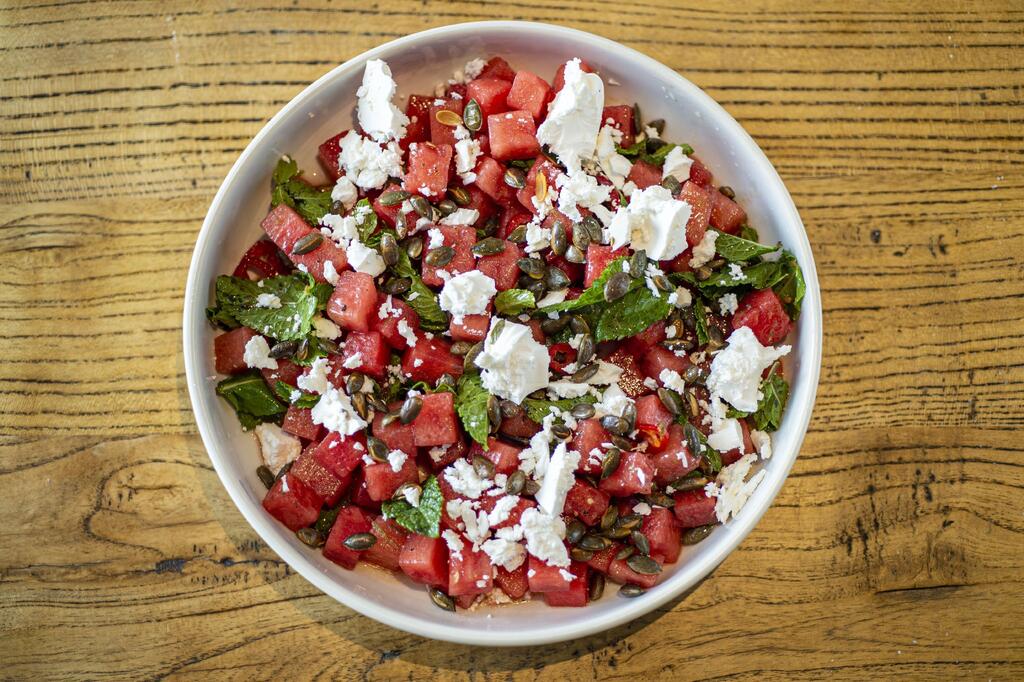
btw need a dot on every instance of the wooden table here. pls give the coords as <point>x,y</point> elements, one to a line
<point>896,546</point>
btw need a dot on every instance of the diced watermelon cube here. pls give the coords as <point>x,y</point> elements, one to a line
<point>262,260</point>
<point>545,578</point>
<point>620,572</point>
<point>599,257</point>
<point>513,135</point>
<point>586,502</point>
<point>390,540</point>
<point>530,93</point>
<point>488,504</point>
<point>328,152</point>
<point>396,435</point>
<point>602,559</point>
<point>292,502</point>
<point>285,227</point>
<point>551,172</point>
<point>699,200</point>
<point>513,583</point>
<point>429,359</point>
<point>562,355</point>
<point>763,313</point>
<point>341,455</point>
<point>638,345</point>
<point>440,133</point>
<point>559,82</point>
<point>589,436</point>
<point>388,325</point>
<point>490,94</point>
<point>658,358</point>
<point>674,458</point>
<point>461,239</point>
<point>634,475</point>
<point>469,572</point>
<point>429,168</point>
<point>351,520</point>
<point>456,90</point>
<point>325,484</point>
<point>359,495</point>
<point>425,560</point>
<point>382,481</point>
<point>229,350</point>
<point>662,533</point>
<point>726,214</point>
<point>632,380</point>
<point>519,426</point>
<point>644,174</point>
<point>652,419</point>
<point>504,456</point>
<point>373,353</point>
<point>354,301</point>
<point>446,454</point>
<point>472,328</point>
<point>389,214</point>
<point>496,67</point>
<point>700,174</point>
<point>417,109</point>
<point>578,592</point>
<point>622,120</point>
<point>694,508</point>
<point>502,267</point>
<point>479,202</point>
<point>287,371</point>
<point>298,421</point>
<point>490,178</point>
<point>436,424</point>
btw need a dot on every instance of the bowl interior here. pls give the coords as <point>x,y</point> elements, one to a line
<point>418,62</point>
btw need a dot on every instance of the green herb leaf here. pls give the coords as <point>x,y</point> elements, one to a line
<point>749,233</point>
<point>301,299</point>
<point>424,387</point>
<point>732,413</point>
<point>284,392</point>
<point>710,459</point>
<point>471,406</point>
<point>525,164</point>
<point>658,157</point>
<point>514,301</point>
<point>286,188</point>
<point>536,410</point>
<point>759,276</point>
<point>220,318</point>
<point>791,288</point>
<point>774,394</point>
<point>366,219</point>
<point>594,293</point>
<point>631,314</point>
<point>421,297</point>
<point>251,398</point>
<point>700,316</point>
<point>326,520</point>
<point>424,519</point>
<point>738,250</point>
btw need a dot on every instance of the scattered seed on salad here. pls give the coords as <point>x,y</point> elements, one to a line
<point>378,450</point>
<point>672,184</point>
<point>610,516</point>
<point>394,197</point>
<point>582,411</point>
<point>638,264</point>
<point>515,177</point>
<point>414,247</point>
<point>574,531</point>
<point>617,286</point>
<point>494,410</point>
<point>559,238</point>
<point>541,187</point>
<point>671,400</point>
<point>410,409</point>
<point>610,462</point>
<point>510,409</point>
<point>625,552</point>
<point>621,443</point>
<point>616,425</point>
<point>643,564</point>
<point>484,467</point>
<point>727,191</point>
<point>585,373</point>
<point>595,590</point>
<point>561,431</point>
<point>516,481</point>
<point>472,116</point>
<point>630,590</point>
<point>441,599</point>
<point>574,255</point>
<point>266,476</point>
<point>360,405</point>
<point>448,117</point>
<point>534,267</point>
<point>447,207</point>
<point>309,537</point>
<point>580,554</point>
<point>518,235</point>
<point>388,249</point>
<point>397,285</point>
<point>460,195</point>
<point>594,543</point>
<point>421,206</point>
<point>489,246</point>
<point>439,257</point>
<point>360,541</point>
<point>283,349</point>
<point>310,242</point>
<point>691,536</point>
<point>640,541</point>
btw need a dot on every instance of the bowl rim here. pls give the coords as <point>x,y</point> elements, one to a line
<point>688,574</point>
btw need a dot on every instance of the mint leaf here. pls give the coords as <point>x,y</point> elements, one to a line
<point>631,314</point>
<point>592,294</point>
<point>774,394</point>
<point>749,233</point>
<point>700,316</point>
<point>536,410</point>
<point>424,519</point>
<point>366,219</point>
<point>514,301</point>
<point>738,250</point>
<point>791,288</point>
<point>638,151</point>
<point>286,188</point>
<point>759,276</point>
<point>471,406</point>
<point>301,298</point>
<point>284,392</point>
<point>251,398</point>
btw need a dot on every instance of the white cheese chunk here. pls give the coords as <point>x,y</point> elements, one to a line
<point>257,354</point>
<point>378,116</point>
<point>364,259</point>
<point>467,294</point>
<point>612,164</point>
<point>736,370</point>
<point>513,363</point>
<point>268,301</point>
<point>705,250</point>
<point>762,442</point>
<point>277,447</point>
<point>345,192</point>
<point>574,117</point>
<point>315,378</point>
<point>396,458</point>
<point>732,489</point>
<point>579,189</point>
<point>653,221</point>
<point>558,479</point>
<point>544,534</point>
<point>324,328</point>
<point>677,165</point>
<point>461,216</point>
<point>367,164</point>
<point>334,411</point>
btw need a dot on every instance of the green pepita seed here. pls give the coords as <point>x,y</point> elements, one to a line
<point>441,600</point>
<point>677,344</point>
<point>658,124</point>
<point>629,521</point>
<point>617,286</point>
<point>397,285</point>
<point>401,228</point>
<point>578,324</point>
<point>582,411</point>
<point>691,536</point>
<point>663,283</point>
<point>489,246</point>
<point>629,415</point>
<point>643,564</point>
<point>440,256</point>
<point>329,346</point>
<point>531,487</point>
<point>360,541</point>
<point>448,118</point>
<point>307,243</point>
<point>596,588</point>
<point>611,514</point>
<point>702,273</point>
<point>389,249</point>
<point>580,237</point>
<point>510,410</point>
<point>654,144</point>
<point>516,481</point>
<point>414,247</point>
<point>574,531</point>
<point>283,349</point>
<point>410,409</point>
<point>445,379</point>
<point>483,467</point>
<point>672,184</point>
<point>490,227</point>
<point>461,347</point>
<point>641,542</point>
<point>494,410</point>
<point>615,533</point>
<point>715,338</point>
<point>585,373</point>
<point>585,353</point>
<point>660,499</point>
<point>671,400</point>
<point>360,406</point>
<point>399,493</point>
<point>377,449</point>
<point>638,263</point>
<point>552,327</point>
<point>376,403</point>
<point>421,206</point>
<point>518,235</point>
<point>688,482</point>
<point>302,352</point>
<point>727,191</point>
<point>580,554</point>
<point>574,255</point>
<point>559,239</point>
<point>629,590</point>
<point>310,537</point>
<point>610,462</point>
<point>561,431</point>
<point>534,267</point>
<point>693,443</point>
<point>620,442</point>
<point>447,207</point>
<point>460,195</point>
<point>616,425</point>
<point>593,228</point>
<point>497,329</point>
<point>695,375</point>
<point>625,552</point>
<point>470,359</point>
<point>266,475</point>
<point>515,177</point>
<point>354,382</point>
<point>472,117</point>
<point>594,543</point>
<point>394,197</point>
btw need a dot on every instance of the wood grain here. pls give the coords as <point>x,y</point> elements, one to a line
<point>896,547</point>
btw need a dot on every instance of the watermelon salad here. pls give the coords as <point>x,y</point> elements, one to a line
<point>518,345</point>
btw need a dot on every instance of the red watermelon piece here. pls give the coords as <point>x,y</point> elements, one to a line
<point>351,520</point>
<point>694,508</point>
<point>429,168</point>
<point>530,92</point>
<point>513,135</point>
<point>436,424</point>
<point>285,227</point>
<point>763,313</point>
<point>634,475</point>
<point>229,350</point>
<point>292,502</point>
<point>354,301</point>
<point>425,560</point>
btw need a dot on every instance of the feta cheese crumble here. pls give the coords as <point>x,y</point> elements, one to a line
<point>574,117</point>
<point>677,165</point>
<point>544,534</point>
<point>762,442</point>
<point>257,354</point>
<point>396,458</point>
<point>324,328</point>
<point>277,447</point>
<point>461,216</point>
<point>728,304</point>
<point>557,480</point>
<point>378,116</point>
<point>366,163</point>
<point>315,378</point>
<point>514,365</point>
<point>653,220</point>
<point>732,489</point>
<point>467,294</point>
<point>334,411</point>
<point>268,301</point>
<point>736,370</point>
<point>353,361</point>
<point>705,250</point>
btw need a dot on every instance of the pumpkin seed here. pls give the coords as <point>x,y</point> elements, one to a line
<point>658,124</point>
<point>638,124</point>
<point>593,228</point>
<point>496,330</point>
<point>574,531</point>
<point>693,443</point>
<point>397,285</point>
<point>376,403</point>
<point>410,409</point>
<point>488,246</point>
<point>594,543</point>
<point>447,207</point>
<point>559,238</point>
<point>360,541</point>
<point>302,352</point>
<point>515,177</point>
<point>329,346</point>
<point>460,195</point>
<point>585,373</point>
<point>441,600</point>
<point>585,353</point>
<point>691,536</point>
<point>510,409</point>
<point>727,191</point>
<point>574,255</point>
<point>677,344</point>
<point>654,144</point>
<point>660,499</point>
<point>578,324</point>
<point>310,537</point>
<point>643,564</point>
<point>610,462</point>
<point>447,117</point>
<point>389,249</point>
<point>620,442</point>
<point>671,184</point>
<point>472,117</point>
<point>266,475</point>
<point>638,263</point>
<point>610,516</point>
<point>399,493</point>
<point>629,590</point>
<point>626,552</point>
<point>629,521</point>
<point>580,237</point>
<point>394,197</point>
<point>283,349</point>
<point>702,273</point>
<point>490,227</point>
<point>401,229</point>
<point>582,411</point>
<point>534,267</point>
<point>360,406</point>
<point>541,187</point>
<point>493,410</point>
<point>695,375</point>
<point>555,278</point>
<point>641,542</point>
<point>715,338</point>
<point>687,483</point>
<point>616,425</point>
<point>671,400</point>
<point>552,327</point>
<point>516,481</point>
<point>629,415</point>
<point>461,347</point>
<point>663,282</point>
<point>483,467</point>
<point>470,359</point>
<point>596,588</point>
<point>421,206</point>
<point>440,256</point>
<point>518,235</point>
<point>531,487</point>
<point>307,243</point>
<point>444,380</point>
<point>617,286</point>
<point>616,533</point>
<point>580,554</point>
<point>377,448</point>
<point>561,431</point>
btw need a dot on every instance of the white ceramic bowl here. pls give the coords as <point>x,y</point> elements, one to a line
<point>419,61</point>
